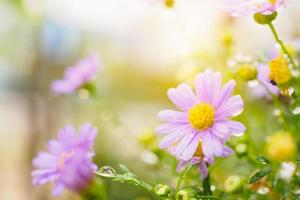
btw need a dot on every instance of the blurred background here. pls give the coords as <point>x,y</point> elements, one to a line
<point>145,47</point>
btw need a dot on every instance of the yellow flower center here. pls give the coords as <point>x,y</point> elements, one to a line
<point>202,116</point>
<point>279,71</point>
<point>169,3</point>
<point>199,153</point>
<point>272,2</point>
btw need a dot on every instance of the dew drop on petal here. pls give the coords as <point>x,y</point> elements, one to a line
<point>106,171</point>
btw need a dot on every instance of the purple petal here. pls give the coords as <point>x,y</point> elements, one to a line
<point>173,116</point>
<point>169,128</point>
<point>59,187</point>
<point>203,169</point>
<point>216,86</point>
<point>225,93</point>
<point>208,85</point>
<point>211,145</point>
<point>87,136</point>
<point>43,176</point>
<point>200,89</point>
<point>170,139</point>
<point>236,128</point>
<point>54,147</point>
<point>183,97</point>
<point>230,108</point>
<point>44,160</point>
<point>227,151</point>
<point>181,165</point>
<point>207,144</point>
<point>189,135</point>
<point>67,137</point>
<point>188,153</point>
<point>220,130</point>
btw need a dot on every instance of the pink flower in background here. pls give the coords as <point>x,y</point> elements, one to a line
<point>68,161</point>
<point>204,118</point>
<point>238,8</point>
<point>76,76</point>
<point>263,78</point>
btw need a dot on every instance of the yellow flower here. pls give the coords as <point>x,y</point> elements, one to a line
<point>148,139</point>
<point>169,3</point>
<point>272,2</point>
<point>247,72</point>
<point>281,146</point>
<point>279,71</point>
<point>227,38</point>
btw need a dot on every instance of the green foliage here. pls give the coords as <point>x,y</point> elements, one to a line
<point>259,175</point>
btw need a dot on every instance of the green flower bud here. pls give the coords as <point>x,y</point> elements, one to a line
<point>247,72</point>
<point>264,19</point>
<point>241,149</point>
<point>187,194</point>
<point>162,190</point>
<point>233,183</point>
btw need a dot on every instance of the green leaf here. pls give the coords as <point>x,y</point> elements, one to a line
<point>263,160</point>
<point>259,175</point>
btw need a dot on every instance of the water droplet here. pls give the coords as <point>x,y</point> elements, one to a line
<point>149,157</point>
<point>107,171</point>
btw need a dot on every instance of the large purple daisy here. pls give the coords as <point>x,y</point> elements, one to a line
<point>204,117</point>
<point>68,161</point>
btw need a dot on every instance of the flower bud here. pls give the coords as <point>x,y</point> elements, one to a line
<point>187,194</point>
<point>264,19</point>
<point>162,190</point>
<point>247,72</point>
<point>233,183</point>
<point>241,149</point>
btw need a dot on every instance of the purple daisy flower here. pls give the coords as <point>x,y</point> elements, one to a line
<point>238,8</point>
<point>204,118</point>
<point>68,161</point>
<point>76,76</point>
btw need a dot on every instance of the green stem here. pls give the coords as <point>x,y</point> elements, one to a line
<point>282,46</point>
<point>182,177</point>
<point>206,185</point>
